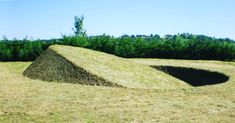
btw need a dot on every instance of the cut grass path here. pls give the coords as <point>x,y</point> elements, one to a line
<point>26,100</point>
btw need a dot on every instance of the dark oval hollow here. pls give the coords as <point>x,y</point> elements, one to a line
<point>194,77</point>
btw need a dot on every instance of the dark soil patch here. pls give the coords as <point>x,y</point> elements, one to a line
<point>194,77</point>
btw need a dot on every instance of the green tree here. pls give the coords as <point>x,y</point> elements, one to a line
<point>4,38</point>
<point>78,26</point>
<point>21,54</point>
<point>7,54</point>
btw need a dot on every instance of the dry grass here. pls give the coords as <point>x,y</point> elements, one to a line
<point>26,100</point>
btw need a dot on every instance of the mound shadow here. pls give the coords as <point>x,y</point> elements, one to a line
<point>194,77</point>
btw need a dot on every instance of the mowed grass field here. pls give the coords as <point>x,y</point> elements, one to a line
<point>26,100</point>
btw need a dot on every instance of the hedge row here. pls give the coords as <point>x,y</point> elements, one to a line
<point>181,46</point>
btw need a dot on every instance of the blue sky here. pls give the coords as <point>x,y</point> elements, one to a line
<point>51,18</point>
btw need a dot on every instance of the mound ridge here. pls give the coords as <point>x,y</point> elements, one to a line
<point>51,66</point>
<point>83,66</point>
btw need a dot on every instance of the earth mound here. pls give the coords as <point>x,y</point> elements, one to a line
<point>83,66</point>
<point>51,66</point>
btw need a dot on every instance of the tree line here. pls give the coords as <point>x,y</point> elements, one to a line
<point>180,46</point>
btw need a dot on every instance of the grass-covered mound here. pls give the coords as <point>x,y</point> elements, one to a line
<point>84,66</point>
<point>51,66</point>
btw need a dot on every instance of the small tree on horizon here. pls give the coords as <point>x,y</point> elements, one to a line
<point>78,26</point>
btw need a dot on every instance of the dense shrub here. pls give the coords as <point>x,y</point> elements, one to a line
<point>22,50</point>
<point>181,46</point>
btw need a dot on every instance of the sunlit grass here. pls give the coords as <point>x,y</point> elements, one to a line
<point>26,100</point>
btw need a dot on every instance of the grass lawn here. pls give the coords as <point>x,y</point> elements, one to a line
<point>26,100</point>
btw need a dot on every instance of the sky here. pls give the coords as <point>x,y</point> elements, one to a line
<point>47,19</point>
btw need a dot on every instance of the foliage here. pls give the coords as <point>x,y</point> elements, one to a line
<point>22,50</point>
<point>78,26</point>
<point>181,46</point>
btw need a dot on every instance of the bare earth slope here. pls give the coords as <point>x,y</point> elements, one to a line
<point>83,66</point>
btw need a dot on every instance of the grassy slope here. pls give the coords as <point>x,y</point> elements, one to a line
<point>25,100</point>
<point>118,70</point>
